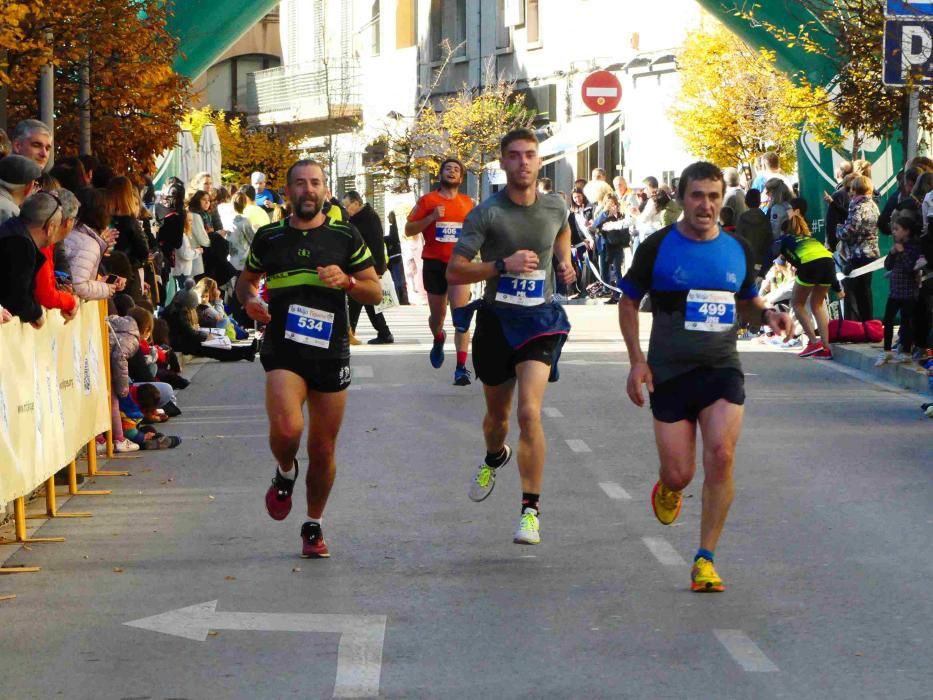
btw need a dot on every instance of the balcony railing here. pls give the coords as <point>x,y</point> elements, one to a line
<point>304,92</point>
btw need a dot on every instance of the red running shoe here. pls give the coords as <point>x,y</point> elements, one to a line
<point>279,495</point>
<point>313,545</point>
<point>811,349</point>
<point>823,354</point>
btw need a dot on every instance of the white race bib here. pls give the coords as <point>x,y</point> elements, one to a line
<point>525,289</point>
<point>447,231</point>
<point>709,311</point>
<point>309,326</point>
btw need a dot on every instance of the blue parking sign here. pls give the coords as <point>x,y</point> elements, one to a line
<point>908,51</point>
<point>908,8</point>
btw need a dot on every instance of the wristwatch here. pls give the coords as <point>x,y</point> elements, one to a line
<point>500,266</point>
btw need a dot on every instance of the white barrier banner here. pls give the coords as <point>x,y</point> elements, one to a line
<point>53,396</point>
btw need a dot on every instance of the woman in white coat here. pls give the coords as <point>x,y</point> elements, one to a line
<point>198,205</point>
<point>85,247</point>
<point>185,255</point>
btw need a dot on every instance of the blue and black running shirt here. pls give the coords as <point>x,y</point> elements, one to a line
<point>309,319</point>
<point>693,287</point>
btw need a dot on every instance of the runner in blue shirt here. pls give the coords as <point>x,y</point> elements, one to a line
<point>700,280</point>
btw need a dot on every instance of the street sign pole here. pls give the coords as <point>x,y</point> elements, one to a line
<point>601,144</point>
<point>913,117</point>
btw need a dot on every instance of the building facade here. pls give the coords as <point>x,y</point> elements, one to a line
<point>352,67</point>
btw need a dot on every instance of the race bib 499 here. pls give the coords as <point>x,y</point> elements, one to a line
<point>709,311</point>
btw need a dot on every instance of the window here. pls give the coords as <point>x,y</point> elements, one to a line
<point>227,81</point>
<point>531,22</point>
<point>406,24</point>
<point>503,28</point>
<point>448,23</point>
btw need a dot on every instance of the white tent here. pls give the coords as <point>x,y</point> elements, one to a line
<point>186,157</point>
<point>180,161</point>
<point>208,155</point>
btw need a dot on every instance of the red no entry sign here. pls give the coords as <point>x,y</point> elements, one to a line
<point>602,91</point>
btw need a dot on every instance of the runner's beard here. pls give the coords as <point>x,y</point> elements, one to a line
<point>303,213</point>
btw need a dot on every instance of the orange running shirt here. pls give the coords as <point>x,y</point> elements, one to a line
<point>441,236</point>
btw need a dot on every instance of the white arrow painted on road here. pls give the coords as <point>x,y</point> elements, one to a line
<point>359,653</point>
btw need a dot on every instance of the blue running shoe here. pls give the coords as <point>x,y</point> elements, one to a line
<point>462,376</point>
<point>437,351</point>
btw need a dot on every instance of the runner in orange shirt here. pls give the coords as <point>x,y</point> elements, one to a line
<point>439,215</point>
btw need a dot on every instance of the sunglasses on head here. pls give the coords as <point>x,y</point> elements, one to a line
<point>58,206</point>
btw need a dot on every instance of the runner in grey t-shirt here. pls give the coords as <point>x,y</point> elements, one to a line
<point>516,233</point>
<point>498,227</point>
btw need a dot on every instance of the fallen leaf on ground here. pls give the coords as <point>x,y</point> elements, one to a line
<point>7,597</point>
<point>117,570</point>
<point>229,578</point>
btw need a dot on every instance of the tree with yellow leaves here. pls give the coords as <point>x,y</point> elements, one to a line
<point>734,104</point>
<point>849,36</point>
<point>243,150</point>
<point>136,98</point>
<point>468,126</point>
<point>472,122</point>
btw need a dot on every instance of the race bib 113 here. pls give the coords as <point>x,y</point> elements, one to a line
<point>525,289</point>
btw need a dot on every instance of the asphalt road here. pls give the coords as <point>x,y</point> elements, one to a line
<point>827,554</point>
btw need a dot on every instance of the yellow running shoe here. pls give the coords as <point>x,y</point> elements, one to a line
<point>704,578</point>
<point>666,503</point>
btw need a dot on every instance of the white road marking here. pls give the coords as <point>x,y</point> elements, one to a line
<point>228,407</point>
<point>214,421</point>
<point>552,412</point>
<point>578,446</point>
<point>224,437</point>
<point>663,551</point>
<point>745,652</point>
<point>361,371</point>
<point>613,490</point>
<point>359,653</point>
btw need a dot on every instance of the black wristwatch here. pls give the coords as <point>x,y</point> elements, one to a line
<point>500,266</point>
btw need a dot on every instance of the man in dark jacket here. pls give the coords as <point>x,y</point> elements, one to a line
<point>753,225</point>
<point>367,222</point>
<point>20,258</point>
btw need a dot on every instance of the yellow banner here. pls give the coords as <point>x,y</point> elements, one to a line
<point>53,396</point>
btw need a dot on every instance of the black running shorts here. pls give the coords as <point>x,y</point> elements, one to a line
<point>817,273</point>
<point>494,360</point>
<point>327,375</point>
<point>686,395</point>
<point>434,276</point>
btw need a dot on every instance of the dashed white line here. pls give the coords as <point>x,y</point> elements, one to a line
<point>663,551</point>
<point>552,412</point>
<point>361,371</point>
<point>613,490</point>
<point>578,446</point>
<point>745,652</point>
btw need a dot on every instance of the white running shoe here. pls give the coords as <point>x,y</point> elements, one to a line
<point>485,480</point>
<point>528,529</point>
<point>884,359</point>
<point>125,445</point>
<point>900,359</point>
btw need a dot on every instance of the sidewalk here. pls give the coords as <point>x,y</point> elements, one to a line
<point>862,356</point>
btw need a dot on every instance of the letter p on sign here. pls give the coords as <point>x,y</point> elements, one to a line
<point>908,51</point>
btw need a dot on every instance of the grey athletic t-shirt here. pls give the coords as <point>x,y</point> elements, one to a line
<point>498,227</point>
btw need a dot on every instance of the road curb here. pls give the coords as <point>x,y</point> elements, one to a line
<point>862,357</point>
